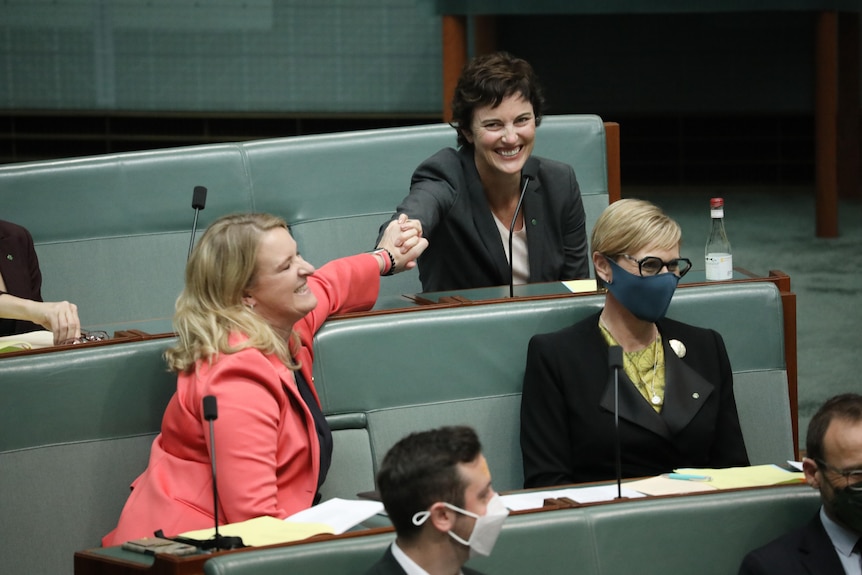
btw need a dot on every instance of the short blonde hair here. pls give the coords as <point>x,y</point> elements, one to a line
<point>627,226</point>
<point>210,307</point>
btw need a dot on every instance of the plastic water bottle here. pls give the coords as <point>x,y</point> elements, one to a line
<point>719,261</point>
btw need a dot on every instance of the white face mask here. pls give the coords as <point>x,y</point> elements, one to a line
<point>485,530</point>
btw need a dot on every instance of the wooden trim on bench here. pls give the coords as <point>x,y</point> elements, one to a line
<point>788,304</point>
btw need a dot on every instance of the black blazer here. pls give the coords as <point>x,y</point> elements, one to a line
<point>567,421</point>
<point>465,249</point>
<point>805,551</point>
<point>387,565</point>
<point>19,267</point>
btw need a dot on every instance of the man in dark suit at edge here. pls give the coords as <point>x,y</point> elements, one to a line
<point>831,543</point>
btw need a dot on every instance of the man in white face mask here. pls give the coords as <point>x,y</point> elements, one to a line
<point>436,488</point>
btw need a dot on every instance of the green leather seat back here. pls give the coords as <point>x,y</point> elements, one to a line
<point>112,231</point>
<point>76,430</point>
<point>79,423</point>
<point>465,365</point>
<point>702,534</point>
<point>708,533</point>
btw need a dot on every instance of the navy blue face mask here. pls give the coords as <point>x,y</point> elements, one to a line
<point>647,298</point>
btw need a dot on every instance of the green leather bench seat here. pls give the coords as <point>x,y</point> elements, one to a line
<point>112,232</point>
<point>705,534</point>
<point>466,365</point>
<point>78,423</point>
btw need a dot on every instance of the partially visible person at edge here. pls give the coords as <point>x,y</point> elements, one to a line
<point>464,200</point>
<point>436,488</point>
<point>676,402</point>
<point>245,322</point>
<point>21,307</point>
<point>831,542</point>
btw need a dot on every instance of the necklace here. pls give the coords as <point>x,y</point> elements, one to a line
<point>656,400</point>
<point>647,389</point>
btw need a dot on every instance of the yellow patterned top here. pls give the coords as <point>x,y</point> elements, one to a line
<point>645,367</point>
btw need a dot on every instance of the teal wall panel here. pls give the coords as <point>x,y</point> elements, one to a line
<point>384,57</point>
<point>325,56</point>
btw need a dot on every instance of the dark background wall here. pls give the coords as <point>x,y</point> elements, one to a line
<point>701,98</point>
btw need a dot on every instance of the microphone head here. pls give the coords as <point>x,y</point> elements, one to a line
<point>199,198</point>
<point>210,408</point>
<point>615,357</point>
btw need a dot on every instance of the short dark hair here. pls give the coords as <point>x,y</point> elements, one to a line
<point>846,406</point>
<point>486,81</point>
<point>421,469</point>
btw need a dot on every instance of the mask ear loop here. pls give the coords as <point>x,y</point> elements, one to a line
<point>421,517</point>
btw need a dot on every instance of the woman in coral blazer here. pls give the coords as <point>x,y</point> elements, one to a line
<point>245,323</point>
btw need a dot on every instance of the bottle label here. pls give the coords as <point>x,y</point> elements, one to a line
<point>716,213</point>
<point>719,266</point>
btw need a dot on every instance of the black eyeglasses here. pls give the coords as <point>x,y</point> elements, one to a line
<point>853,477</point>
<point>652,265</point>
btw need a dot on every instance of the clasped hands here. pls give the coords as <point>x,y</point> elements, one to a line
<point>403,238</point>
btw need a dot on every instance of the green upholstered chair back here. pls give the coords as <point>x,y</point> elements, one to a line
<point>79,423</point>
<point>76,430</point>
<point>707,534</point>
<point>465,365</point>
<point>112,232</point>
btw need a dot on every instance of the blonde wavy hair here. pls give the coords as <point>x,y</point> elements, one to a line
<point>220,270</point>
<point>627,226</point>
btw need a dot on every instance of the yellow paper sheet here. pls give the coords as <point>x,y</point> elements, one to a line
<point>264,531</point>
<point>580,286</point>
<point>661,485</point>
<point>30,340</point>
<point>753,476</point>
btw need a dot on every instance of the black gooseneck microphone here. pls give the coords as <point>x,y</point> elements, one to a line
<point>199,202</point>
<point>615,363</point>
<point>211,414</point>
<point>512,233</point>
<point>218,543</point>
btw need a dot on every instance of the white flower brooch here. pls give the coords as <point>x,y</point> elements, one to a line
<point>678,347</point>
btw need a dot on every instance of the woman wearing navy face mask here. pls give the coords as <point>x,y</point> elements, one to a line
<point>676,404</point>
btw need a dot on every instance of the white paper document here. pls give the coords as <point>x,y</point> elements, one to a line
<point>535,499</point>
<point>340,514</point>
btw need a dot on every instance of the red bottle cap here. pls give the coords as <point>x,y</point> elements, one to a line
<point>716,203</point>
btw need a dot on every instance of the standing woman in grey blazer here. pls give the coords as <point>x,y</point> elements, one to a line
<point>465,201</point>
<point>676,403</point>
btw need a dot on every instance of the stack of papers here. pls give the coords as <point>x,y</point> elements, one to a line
<point>336,516</point>
<point>24,341</point>
<point>263,531</point>
<point>340,514</point>
<point>581,286</point>
<point>708,480</point>
<point>331,517</point>
<point>729,478</point>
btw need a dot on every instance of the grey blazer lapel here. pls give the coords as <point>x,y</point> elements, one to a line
<point>534,210</point>
<point>488,235</point>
